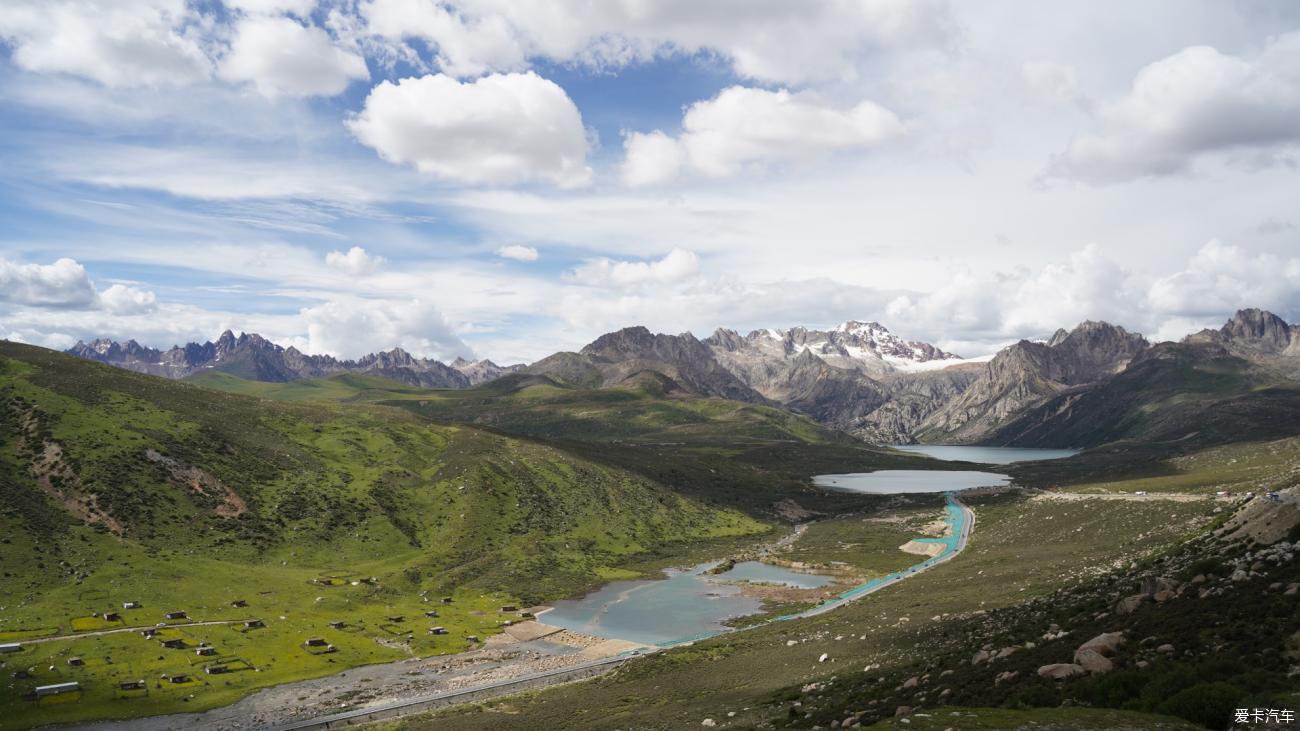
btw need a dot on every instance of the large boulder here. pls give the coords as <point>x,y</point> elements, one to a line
<point>1103,644</point>
<point>1129,604</point>
<point>1093,661</point>
<point>1060,671</point>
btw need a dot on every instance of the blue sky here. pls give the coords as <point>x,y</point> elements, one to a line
<point>505,179</point>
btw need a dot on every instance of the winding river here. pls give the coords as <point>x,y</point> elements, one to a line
<point>692,604</point>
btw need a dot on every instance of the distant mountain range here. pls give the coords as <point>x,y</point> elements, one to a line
<point>253,357</point>
<point>858,377</point>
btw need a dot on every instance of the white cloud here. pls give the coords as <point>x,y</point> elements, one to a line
<point>650,158</point>
<point>119,44</point>
<point>465,46</point>
<point>1195,102</point>
<point>1223,278</point>
<point>61,284</point>
<point>676,266</point>
<point>503,128</point>
<point>818,40</point>
<point>742,128</point>
<point>282,57</point>
<point>518,252</point>
<point>350,328</point>
<point>355,262</point>
<point>223,173</point>
<point>1052,82</point>
<point>301,8</point>
<point>120,299</point>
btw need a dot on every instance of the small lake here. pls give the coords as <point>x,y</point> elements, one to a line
<point>889,482</point>
<point>985,455</point>
<point>687,604</point>
<point>765,573</point>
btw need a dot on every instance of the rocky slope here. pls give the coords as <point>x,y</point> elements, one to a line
<point>253,357</point>
<point>622,356</point>
<point>1026,374</point>
<point>858,377</point>
<point>482,371</point>
<point>1231,384</point>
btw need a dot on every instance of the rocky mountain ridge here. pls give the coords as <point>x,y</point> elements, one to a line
<point>858,377</point>
<point>253,357</point>
<point>1028,373</point>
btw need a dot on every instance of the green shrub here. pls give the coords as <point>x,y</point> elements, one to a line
<point>1209,704</point>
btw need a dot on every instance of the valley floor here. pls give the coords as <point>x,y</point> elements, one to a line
<point>523,649</point>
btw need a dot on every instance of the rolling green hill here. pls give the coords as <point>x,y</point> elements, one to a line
<point>737,454</point>
<point>117,487</point>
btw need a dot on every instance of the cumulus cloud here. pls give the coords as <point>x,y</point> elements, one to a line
<point>676,266</point>
<point>140,43</point>
<point>120,299</point>
<point>1200,292</point>
<point>743,128</point>
<point>464,45</point>
<point>354,327</point>
<point>1190,104</point>
<point>650,158</point>
<point>502,128</point>
<point>817,40</point>
<point>517,252</point>
<point>61,284</point>
<point>357,261</point>
<point>1222,278</point>
<point>65,285</point>
<point>282,57</point>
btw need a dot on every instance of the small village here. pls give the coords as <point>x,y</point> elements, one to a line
<point>132,651</point>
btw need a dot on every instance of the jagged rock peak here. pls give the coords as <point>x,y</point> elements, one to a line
<point>1258,325</point>
<point>252,356</point>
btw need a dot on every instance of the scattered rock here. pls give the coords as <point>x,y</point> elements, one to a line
<point>903,711</point>
<point>1060,671</point>
<point>1167,648</point>
<point>982,656</point>
<point>911,683</point>
<point>709,722</point>
<point>1129,604</point>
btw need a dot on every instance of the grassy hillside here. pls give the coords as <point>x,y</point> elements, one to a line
<point>645,410</point>
<point>1034,563</point>
<point>120,487</point>
<point>754,458</point>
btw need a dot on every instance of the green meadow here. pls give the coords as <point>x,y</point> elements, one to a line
<point>117,487</point>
